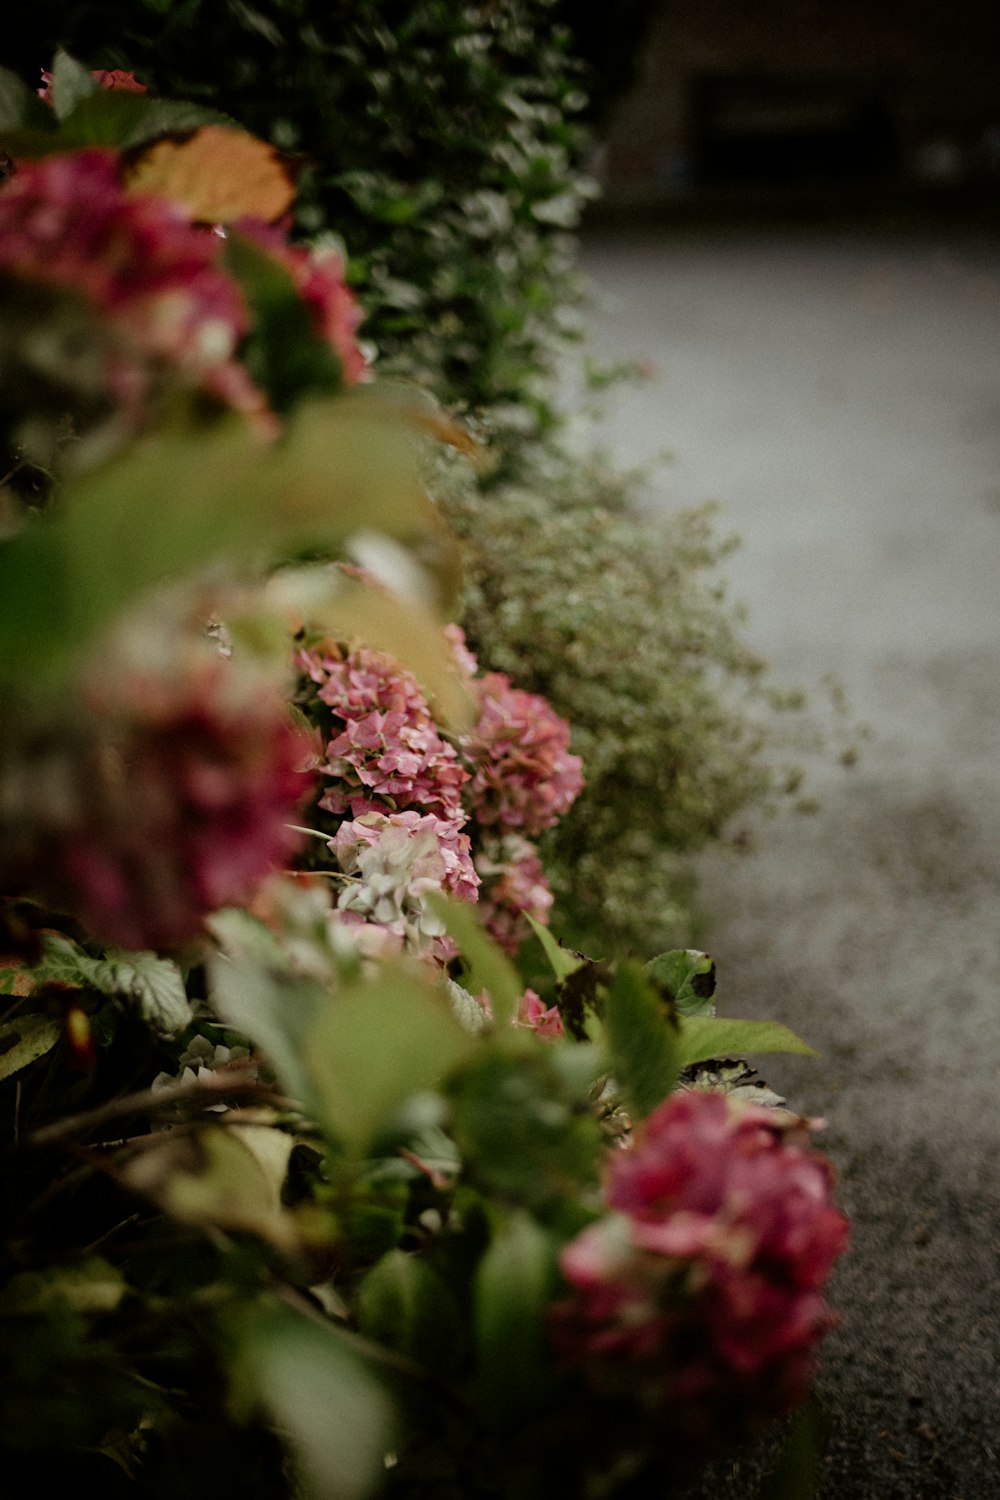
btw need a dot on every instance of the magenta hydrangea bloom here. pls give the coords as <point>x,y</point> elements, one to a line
<point>524,777</point>
<point>700,1298</point>
<point>318,274</point>
<point>514,885</point>
<point>180,804</point>
<point>68,222</point>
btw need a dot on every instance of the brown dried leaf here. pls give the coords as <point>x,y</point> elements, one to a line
<point>218,175</point>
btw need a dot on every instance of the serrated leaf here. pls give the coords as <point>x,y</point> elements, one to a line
<point>513,1286</point>
<point>155,985</point>
<point>380,1041</point>
<point>329,1408</point>
<point>71,84</point>
<point>488,967</point>
<point>217,175</point>
<point>642,1041</point>
<point>561,960</point>
<point>466,1009</point>
<point>689,976</point>
<point>24,1040</point>
<point>704,1037</point>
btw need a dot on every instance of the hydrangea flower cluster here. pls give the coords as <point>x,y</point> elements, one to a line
<point>68,222</point>
<point>525,778</point>
<point>700,1298</point>
<point>179,804</point>
<point>386,758</point>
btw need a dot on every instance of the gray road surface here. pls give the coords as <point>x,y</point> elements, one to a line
<point>840,394</point>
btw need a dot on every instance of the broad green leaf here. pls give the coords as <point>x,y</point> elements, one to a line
<point>642,1042</point>
<point>689,976</point>
<point>114,118</point>
<point>404,1305</point>
<point>24,1040</point>
<point>19,104</point>
<point>176,502</point>
<point>561,961</point>
<point>488,967</point>
<point>332,1412</point>
<point>155,985</point>
<point>704,1037</point>
<point>378,1042</point>
<point>513,1286</point>
<point>92,1286</point>
<point>275,1008</point>
<point>222,1177</point>
<point>71,84</point>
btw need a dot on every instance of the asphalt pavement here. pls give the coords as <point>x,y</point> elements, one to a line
<point>839,394</point>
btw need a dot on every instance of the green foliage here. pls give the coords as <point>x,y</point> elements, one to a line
<point>644,1052</point>
<point>688,977</point>
<point>714,1036</point>
<point>514,1282</point>
<point>621,624</point>
<point>441,146</point>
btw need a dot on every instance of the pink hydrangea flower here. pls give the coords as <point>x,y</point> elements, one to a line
<point>68,222</point>
<point>545,1020</point>
<point>385,754</point>
<point>180,804</point>
<point>514,884</point>
<point>318,274</point>
<point>701,1296</point>
<point>524,776</point>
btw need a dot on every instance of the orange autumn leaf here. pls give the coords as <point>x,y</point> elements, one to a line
<point>218,175</point>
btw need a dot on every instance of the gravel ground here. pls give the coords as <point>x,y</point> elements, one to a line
<point>840,394</point>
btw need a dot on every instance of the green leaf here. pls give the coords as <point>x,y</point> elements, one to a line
<point>641,1037</point>
<point>25,1040</point>
<point>71,84</point>
<point>488,967</point>
<point>404,1305</point>
<point>92,1286</point>
<point>378,1042</point>
<point>336,1418</point>
<point>513,1286</point>
<point>704,1037</point>
<point>176,502</point>
<point>155,985</point>
<point>19,104</point>
<point>689,976</point>
<point>561,961</point>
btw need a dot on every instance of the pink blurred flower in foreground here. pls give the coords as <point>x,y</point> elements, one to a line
<point>524,776</point>
<point>180,804</point>
<point>68,222</point>
<point>318,276</point>
<point>700,1298</point>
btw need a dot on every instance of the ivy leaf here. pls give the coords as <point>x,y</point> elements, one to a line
<point>644,1054</point>
<point>513,1285</point>
<point>689,977</point>
<point>335,1416</point>
<point>24,1040</point>
<point>71,84</point>
<point>706,1037</point>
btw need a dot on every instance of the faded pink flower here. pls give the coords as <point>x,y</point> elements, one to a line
<point>700,1297</point>
<point>457,874</point>
<point>177,805</point>
<point>385,753</point>
<point>318,275</point>
<point>524,776</point>
<point>514,884</point>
